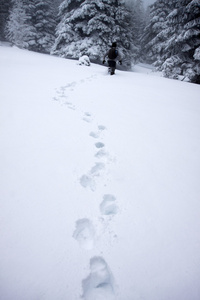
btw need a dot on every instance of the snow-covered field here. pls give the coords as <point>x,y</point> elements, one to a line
<point>100,182</point>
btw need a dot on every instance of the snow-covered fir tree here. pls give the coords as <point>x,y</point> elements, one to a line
<point>140,17</point>
<point>122,34</point>
<point>156,31</point>
<point>31,25</point>
<point>44,25</point>
<point>5,5</point>
<point>29,7</point>
<point>40,18</point>
<point>182,50</point>
<point>171,39</point>
<point>19,31</point>
<point>55,5</point>
<point>137,25</point>
<point>89,27</point>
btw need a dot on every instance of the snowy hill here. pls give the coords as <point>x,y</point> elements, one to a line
<point>100,193</point>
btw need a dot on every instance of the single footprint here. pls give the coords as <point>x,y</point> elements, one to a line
<point>94,134</point>
<point>101,153</point>
<point>87,181</point>
<point>99,285</point>
<point>108,205</point>
<point>71,107</point>
<point>84,234</point>
<point>99,145</point>
<point>87,117</point>
<point>101,127</point>
<point>87,114</point>
<point>98,167</point>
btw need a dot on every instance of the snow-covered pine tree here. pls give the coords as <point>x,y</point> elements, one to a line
<point>136,26</point>
<point>156,31</point>
<point>44,24</point>
<point>17,30</point>
<point>69,31</point>
<point>31,25</point>
<point>140,17</point>
<point>87,27</point>
<point>182,51</point>
<point>5,5</point>
<point>173,44</point>
<point>55,5</point>
<point>29,7</point>
<point>122,33</point>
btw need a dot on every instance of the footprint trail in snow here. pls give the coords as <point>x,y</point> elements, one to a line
<point>88,180</point>
<point>99,285</point>
<point>65,92</point>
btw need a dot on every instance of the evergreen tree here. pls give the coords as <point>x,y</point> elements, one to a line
<point>122,33</point>
<point>31,25</point>
<point>5,5</point>
<point>89,26</point>
<point>172,38</point>
<point>157,31</point>
<point>45,25</point>
<point>55,5</point>
<point>182,51</point>
<point>18,32</point>
<point>136,26</point>
<point>140,18</point>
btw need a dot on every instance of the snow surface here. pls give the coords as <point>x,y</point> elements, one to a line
<point>100,193</point>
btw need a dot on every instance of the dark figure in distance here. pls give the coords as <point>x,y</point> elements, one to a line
<point>113,55</point>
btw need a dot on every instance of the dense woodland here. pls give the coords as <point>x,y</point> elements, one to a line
<point>166,34</point>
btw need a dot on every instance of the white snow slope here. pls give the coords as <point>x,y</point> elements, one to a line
<point>100,182</point>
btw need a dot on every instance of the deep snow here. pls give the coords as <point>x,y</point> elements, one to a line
<point>100,193</point>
